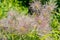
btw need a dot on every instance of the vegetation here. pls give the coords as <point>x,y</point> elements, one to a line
<point>29,20</point>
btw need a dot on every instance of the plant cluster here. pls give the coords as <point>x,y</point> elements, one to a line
<point>43,24</point>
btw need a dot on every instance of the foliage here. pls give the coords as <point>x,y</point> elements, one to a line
<point>43,24</point>
<point>6,5</point>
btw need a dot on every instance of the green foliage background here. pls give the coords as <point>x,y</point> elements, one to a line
<point>20,5</point>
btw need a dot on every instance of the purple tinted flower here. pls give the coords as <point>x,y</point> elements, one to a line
<point>24,24</point>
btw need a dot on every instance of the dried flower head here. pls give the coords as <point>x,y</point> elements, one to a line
<point>36,6</point>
